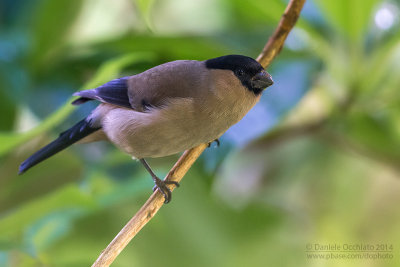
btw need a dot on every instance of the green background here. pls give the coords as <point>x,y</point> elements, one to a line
<point>317,161</point>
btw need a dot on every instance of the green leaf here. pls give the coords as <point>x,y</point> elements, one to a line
<point>112,68</point>
<point>166,47</point>
<point>49,176</point>
<point>52,21</point>
<point>348,17</point>
<point>254,11</point>
<point>67,197</point>
<point>145,7</point>
<point>9,141</point>
<point>376,133</point>
<point>386,56</point>
<point>7,108</point>
<point>109,70</point>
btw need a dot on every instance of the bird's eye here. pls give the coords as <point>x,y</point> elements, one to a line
<point>240,72</point>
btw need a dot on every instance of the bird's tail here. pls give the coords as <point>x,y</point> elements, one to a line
<point>67,138</point>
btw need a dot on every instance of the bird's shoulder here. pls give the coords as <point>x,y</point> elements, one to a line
<point>153,87</point>
<point>176,79</point>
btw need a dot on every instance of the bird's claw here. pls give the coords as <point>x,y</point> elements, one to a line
<point>216,141</point>
<point>162,186</point>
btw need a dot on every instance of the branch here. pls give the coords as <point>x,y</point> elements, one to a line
<point>276,41</point>
<point>149,209</point>
<point>283,134</point>
<point>181,167</point>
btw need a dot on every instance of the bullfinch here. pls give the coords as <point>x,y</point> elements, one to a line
<point>166,109</point>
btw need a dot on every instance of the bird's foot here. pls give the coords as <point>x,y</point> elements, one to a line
<point>216,141</point>
<point>162,186</point>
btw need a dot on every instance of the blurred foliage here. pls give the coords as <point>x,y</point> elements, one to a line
<point>316,161</point>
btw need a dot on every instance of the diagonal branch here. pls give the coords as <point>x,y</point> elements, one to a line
<point>276,41</point>
<point>182,166</point>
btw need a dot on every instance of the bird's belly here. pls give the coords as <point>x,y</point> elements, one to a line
<point>159,144</point>
<point>159,139</point>
<point>160,132</point>
<point>165,131</point>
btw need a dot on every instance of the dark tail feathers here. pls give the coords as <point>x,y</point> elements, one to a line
<point>67,138</point>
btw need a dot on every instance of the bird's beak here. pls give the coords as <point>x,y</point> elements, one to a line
<point>261,80</point>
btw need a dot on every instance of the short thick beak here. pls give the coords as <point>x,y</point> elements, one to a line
<point>261,80</point>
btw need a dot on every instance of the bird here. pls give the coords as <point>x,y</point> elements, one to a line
<point>165,110</point>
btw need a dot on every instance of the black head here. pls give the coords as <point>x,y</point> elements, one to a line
<point>251,74</point>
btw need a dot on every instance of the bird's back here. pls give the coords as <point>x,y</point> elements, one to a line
<point>181,78</point>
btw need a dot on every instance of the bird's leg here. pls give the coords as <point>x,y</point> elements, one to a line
<point>160,184</point>
<point>216,141</point>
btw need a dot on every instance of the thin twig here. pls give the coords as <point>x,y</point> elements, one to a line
<point>149,209</point>
<point>156,200</point>
<point>276,41</point>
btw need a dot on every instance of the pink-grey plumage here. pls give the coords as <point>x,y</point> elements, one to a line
<point>166,109</point>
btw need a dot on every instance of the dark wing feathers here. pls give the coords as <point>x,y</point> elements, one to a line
<point>67,138</point>
<point>114,92</point>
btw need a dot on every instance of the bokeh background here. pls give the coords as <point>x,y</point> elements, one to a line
<point>317,161</point>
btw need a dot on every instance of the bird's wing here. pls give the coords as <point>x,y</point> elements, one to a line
<point>114,92</point>
<point>176,79</point>
<point>154,87</point>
